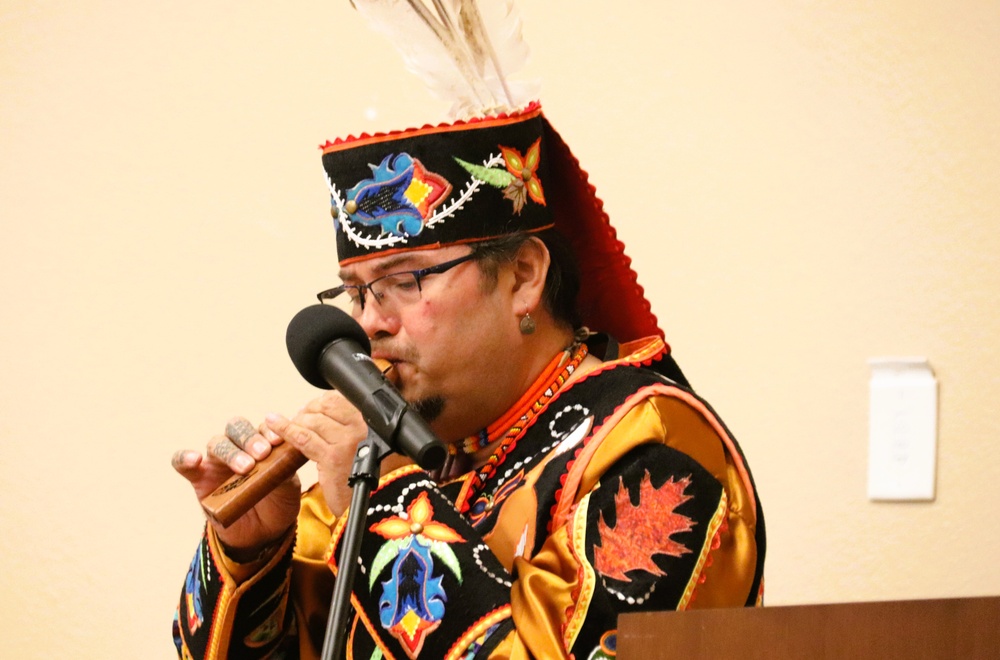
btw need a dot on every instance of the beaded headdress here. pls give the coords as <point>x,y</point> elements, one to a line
<point>499,169</point>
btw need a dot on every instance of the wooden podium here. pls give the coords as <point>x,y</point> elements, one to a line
<point>957,628</point>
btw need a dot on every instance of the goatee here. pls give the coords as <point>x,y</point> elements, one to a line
<point>430,408</point>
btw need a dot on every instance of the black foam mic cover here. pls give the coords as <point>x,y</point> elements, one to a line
<point>312,330</point>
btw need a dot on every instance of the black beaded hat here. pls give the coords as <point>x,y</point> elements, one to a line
<point>438,185</point>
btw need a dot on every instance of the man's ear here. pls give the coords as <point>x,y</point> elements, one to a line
<point>530,268</point>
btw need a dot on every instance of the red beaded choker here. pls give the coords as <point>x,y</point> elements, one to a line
<point>511,425</point>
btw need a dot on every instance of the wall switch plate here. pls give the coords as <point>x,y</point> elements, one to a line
<point>902,430</point>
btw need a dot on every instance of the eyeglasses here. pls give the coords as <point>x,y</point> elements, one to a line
<point>389,291</point>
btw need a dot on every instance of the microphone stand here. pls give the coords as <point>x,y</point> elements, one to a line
<point>364,478</point>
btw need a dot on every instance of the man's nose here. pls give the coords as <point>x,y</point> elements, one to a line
<point>378,319</point>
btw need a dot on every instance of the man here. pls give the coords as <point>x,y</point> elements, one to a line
<point>586,479</point>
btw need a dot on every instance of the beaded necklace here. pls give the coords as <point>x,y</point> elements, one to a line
<point>511,426</point>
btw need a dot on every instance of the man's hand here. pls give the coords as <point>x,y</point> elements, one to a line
<point>328,431</point>
<point>237,452</point>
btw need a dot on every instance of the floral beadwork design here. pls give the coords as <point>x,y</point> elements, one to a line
<point>519,180</point>
<point>194,586</point>
<point>399,197</point>
<point>413,599</point>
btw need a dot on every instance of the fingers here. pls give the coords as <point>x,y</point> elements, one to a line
<point>327,430</point>
<point>256,442</point>
<point>268,434</point>
<point>242,445</point>
<point>327,437</point>
<point>236,451</point>
<point>304,438</point>
<point>239,431</point>
<point>204,475</point>
<point>225,451</point>
<point>186,462</point>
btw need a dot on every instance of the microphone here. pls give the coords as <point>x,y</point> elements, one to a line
<point>331,351</point>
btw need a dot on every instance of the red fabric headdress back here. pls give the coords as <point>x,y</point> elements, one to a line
<point>611,299</point>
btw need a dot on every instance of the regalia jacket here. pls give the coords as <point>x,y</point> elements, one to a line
<point>625,492</point>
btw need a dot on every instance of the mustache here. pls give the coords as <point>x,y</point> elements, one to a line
<point>397,352</point>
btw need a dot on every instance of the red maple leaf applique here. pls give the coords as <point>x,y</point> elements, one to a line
<point>642,530</point>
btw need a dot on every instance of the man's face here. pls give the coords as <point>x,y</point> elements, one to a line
<point>454,347</point>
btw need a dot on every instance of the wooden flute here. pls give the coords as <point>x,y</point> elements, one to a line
<point>241,492</point>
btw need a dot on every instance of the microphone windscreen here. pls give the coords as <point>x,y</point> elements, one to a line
<point>312,330</point>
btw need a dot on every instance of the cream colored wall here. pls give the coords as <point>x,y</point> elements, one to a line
<point>802,185</point>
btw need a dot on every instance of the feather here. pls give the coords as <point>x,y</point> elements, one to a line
<point>498,22</point>
<point>463,51</point>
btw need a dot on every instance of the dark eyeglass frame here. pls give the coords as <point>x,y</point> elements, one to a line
<point>418,274</point>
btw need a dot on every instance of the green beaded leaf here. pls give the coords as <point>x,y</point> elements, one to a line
<point>495,177</point>
<point>443,551</point>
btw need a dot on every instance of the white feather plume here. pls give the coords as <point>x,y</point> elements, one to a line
<point>465,51</point>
